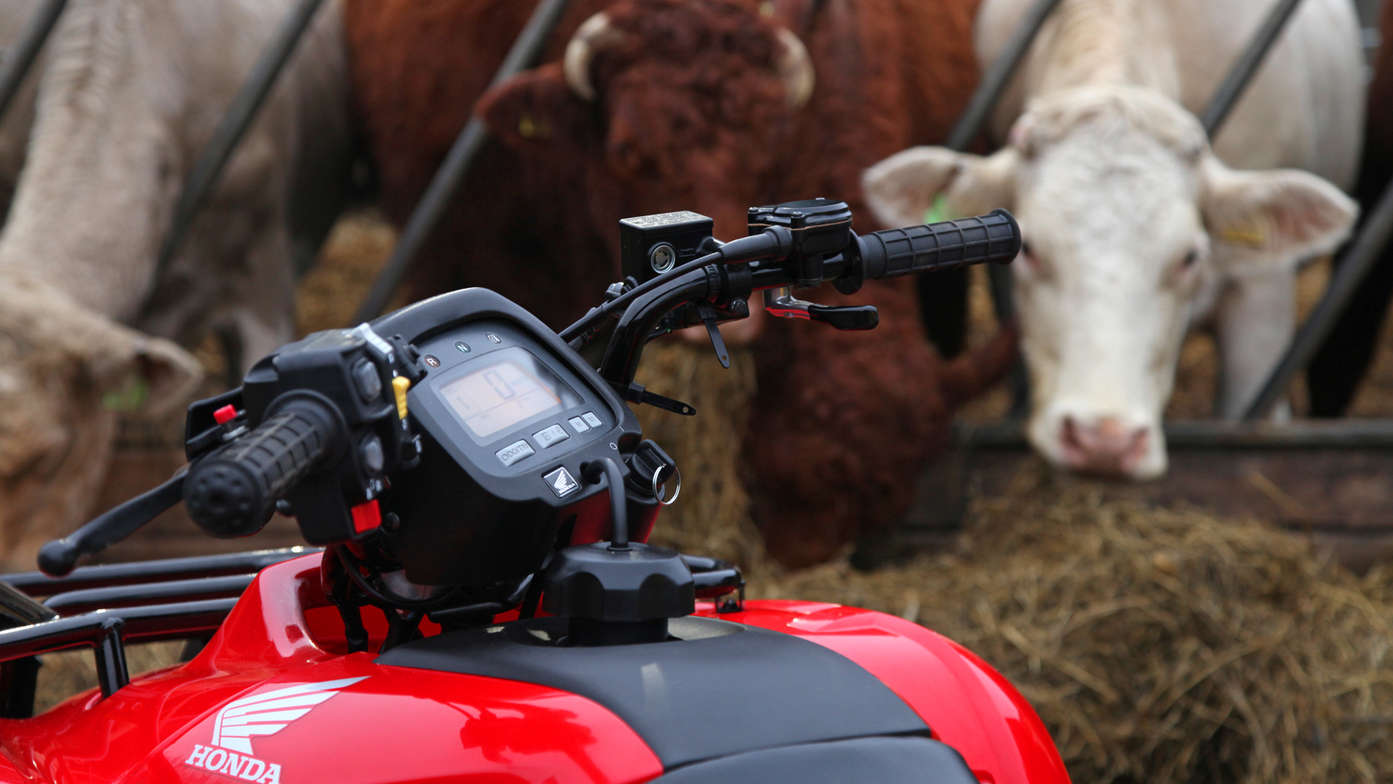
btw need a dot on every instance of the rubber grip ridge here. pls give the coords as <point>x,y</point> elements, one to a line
<point>946,245</point>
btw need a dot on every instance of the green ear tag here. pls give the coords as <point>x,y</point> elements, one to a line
<point>130,397</point>
<point>939,212</point>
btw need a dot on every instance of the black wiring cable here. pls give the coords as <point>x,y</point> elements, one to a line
<point>383,596</point>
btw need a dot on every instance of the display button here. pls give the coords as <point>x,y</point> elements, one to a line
<point>552,435</point>
<point>591,419</point>
<point>514,452</point>
<point>561,482</point>
<point>579,425</point>
<point>369,383</point>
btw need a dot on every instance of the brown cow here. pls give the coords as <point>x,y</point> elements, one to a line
<point>666,104</point>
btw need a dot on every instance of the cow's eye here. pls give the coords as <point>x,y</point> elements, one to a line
<point>1029,259</point>
<point>1183,268</point>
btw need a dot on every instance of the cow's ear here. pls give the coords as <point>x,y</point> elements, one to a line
<point>536,112</point>
<point>1281,215</point>
<point>140,373</point>
<point>906,187</point>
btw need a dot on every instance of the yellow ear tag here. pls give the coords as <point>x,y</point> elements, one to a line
<point>399,386</point>
<point>1251,236</point>
<point>530,128</point>
<point>130,397</point>
<point>939,212</point>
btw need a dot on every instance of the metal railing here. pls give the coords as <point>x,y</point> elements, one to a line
<point>1362,252</point>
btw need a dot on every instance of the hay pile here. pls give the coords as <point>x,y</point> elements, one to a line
<point>712,515</point>
<point>330,292</point>
<point>67,673</point>
<point>1157,645</point>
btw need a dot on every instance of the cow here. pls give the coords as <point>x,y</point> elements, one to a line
<point>1333,377</point>
<point>1135,228</point>
<point>644,106</point>
<point>129,94</point>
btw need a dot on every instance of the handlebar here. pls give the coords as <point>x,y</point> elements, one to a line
<point>784,256</point>
<point>233,491</point>
<point>934,247</point>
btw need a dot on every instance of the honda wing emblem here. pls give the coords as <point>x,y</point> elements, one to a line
<point>270,712</point>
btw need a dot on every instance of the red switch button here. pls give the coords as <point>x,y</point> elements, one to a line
<point>225,414</point>
<point>366,516</point>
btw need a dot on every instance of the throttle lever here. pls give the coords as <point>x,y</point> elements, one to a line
<point>781,302</point>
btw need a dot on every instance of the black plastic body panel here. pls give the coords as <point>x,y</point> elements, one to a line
<point>718,690</point>
<point>919,760</point>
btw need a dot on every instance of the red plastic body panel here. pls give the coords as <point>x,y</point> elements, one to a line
<point>966,703</point>
<point>346,718</point>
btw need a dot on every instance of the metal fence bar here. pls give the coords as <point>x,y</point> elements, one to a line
<point>240,113</point>
<point>1359,258</point>
<point>979,107</point>
<point>994,81</point>
<point>1247,64</point>
<point>24,53</point>
<point>1215,435</point>
<point>456,165</point>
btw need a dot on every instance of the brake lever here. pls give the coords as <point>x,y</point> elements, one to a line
<point>780,302</point>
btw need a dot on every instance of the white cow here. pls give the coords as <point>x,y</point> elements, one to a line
<point>1134,228</point>
<point>130,93</point>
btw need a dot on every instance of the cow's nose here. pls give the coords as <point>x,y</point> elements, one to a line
<point>1103,445</point>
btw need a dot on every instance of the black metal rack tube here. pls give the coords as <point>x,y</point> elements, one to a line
<point>106,633</point>
<point>111,597</point>
<point>106,575</point>
<point>22,56</point>
<point>456,165</point>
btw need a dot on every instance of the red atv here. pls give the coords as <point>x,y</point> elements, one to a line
<point>486,607</point>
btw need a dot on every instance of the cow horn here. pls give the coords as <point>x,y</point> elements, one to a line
<point>796,68</point>
<point>595,34</point>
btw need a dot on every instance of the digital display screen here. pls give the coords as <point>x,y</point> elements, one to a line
<point>508,387</point>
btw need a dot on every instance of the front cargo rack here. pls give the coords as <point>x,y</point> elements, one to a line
<point>104,606</point>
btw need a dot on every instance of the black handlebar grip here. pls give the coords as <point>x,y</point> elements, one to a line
<point>940,246</point>
<point>233,491</point>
